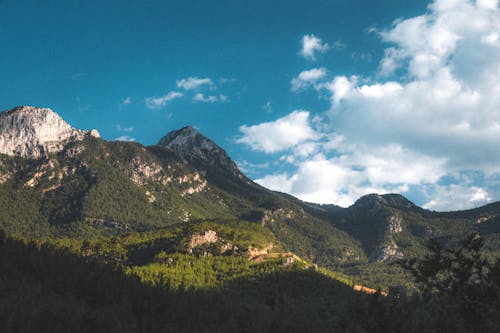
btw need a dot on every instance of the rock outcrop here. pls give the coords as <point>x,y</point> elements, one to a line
<point>206,237</point>
<point>190,145</point>
<point>28,131</point>
<point>386,252</point>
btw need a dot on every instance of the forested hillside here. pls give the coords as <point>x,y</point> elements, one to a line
<point>115,236</point>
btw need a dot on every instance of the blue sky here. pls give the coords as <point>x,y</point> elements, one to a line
<point>327,100</point>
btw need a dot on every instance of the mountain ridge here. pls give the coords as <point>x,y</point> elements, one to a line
<point>90,187</point>
<point>186,142</point>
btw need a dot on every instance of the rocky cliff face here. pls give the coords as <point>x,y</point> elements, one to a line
<point>190,145</point>
<point>377,221</point>
<point>33,132</point>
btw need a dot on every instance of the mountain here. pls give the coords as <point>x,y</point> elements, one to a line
<point>193,147</point>
<point>91,187</point>
<point>33,132</point>
<point>58,182</point>
<point>100,235</point>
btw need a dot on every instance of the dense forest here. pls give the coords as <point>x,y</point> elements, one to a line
<point>46,288</point>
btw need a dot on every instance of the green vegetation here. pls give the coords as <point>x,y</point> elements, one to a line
<point>45,289</point>
<point>186,272</point>
<point>93,190</point>
<point>458,290</point>
<point>48,290</point>
<point>233,255</point>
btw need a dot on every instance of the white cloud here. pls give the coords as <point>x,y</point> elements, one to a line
<point>456,197</point>
<point>340,88</point>
<point>323,180</point>
<point>448,103</point>
<point>124,129</point>
<point>306,149</point>
<point>488,4</point>
<point>307,78</point>
<point>392,61</point>
<point>192,83</point>
<point>125,138</point>
<point>312,44</point>
<point>280,134</point>
<point>159,102</point>
<point>279,182</point>
<point>343,178</point>
<point>440,116</point>
<point>199,97</point>
<point>198,85</point>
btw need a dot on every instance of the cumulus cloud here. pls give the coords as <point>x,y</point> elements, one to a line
<point>278,182</point>
<point>280,134</point>
<point>159,102</point>
<point>308,78</point>
<point>344,177</point>
<point>450,106</point>
<point>312,45</point>
<point>433,111</point>
<point>392,61</point>
<point>192,83</point>
<point>456,196</point>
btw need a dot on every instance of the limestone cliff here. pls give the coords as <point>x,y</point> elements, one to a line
<point>29,131</point>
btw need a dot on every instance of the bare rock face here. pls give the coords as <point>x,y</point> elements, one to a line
<point>206,237</point>
<point>29,131</point>
<point>387,252</point>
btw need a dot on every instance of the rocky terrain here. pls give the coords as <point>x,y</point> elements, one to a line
<point>28,131</point>
<point>193,147</point>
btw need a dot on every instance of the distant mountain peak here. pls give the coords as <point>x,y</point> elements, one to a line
<point>398,200</point>
<point>378,200</point>
<point>189,144</point>
<point>189,131</point>
<point>30,131</point>
<point>186,139</point>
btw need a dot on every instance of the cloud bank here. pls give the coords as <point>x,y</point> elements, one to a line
<point>428,122</point>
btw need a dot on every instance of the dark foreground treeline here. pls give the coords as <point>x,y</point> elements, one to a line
<point>48,290</point>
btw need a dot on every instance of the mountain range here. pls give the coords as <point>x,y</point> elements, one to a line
<point>58,182</point>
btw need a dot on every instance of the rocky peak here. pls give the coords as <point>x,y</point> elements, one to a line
<point>29,131</point>
<point>192,146</point>
<point>399,201</point>
<point>377,201</point>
